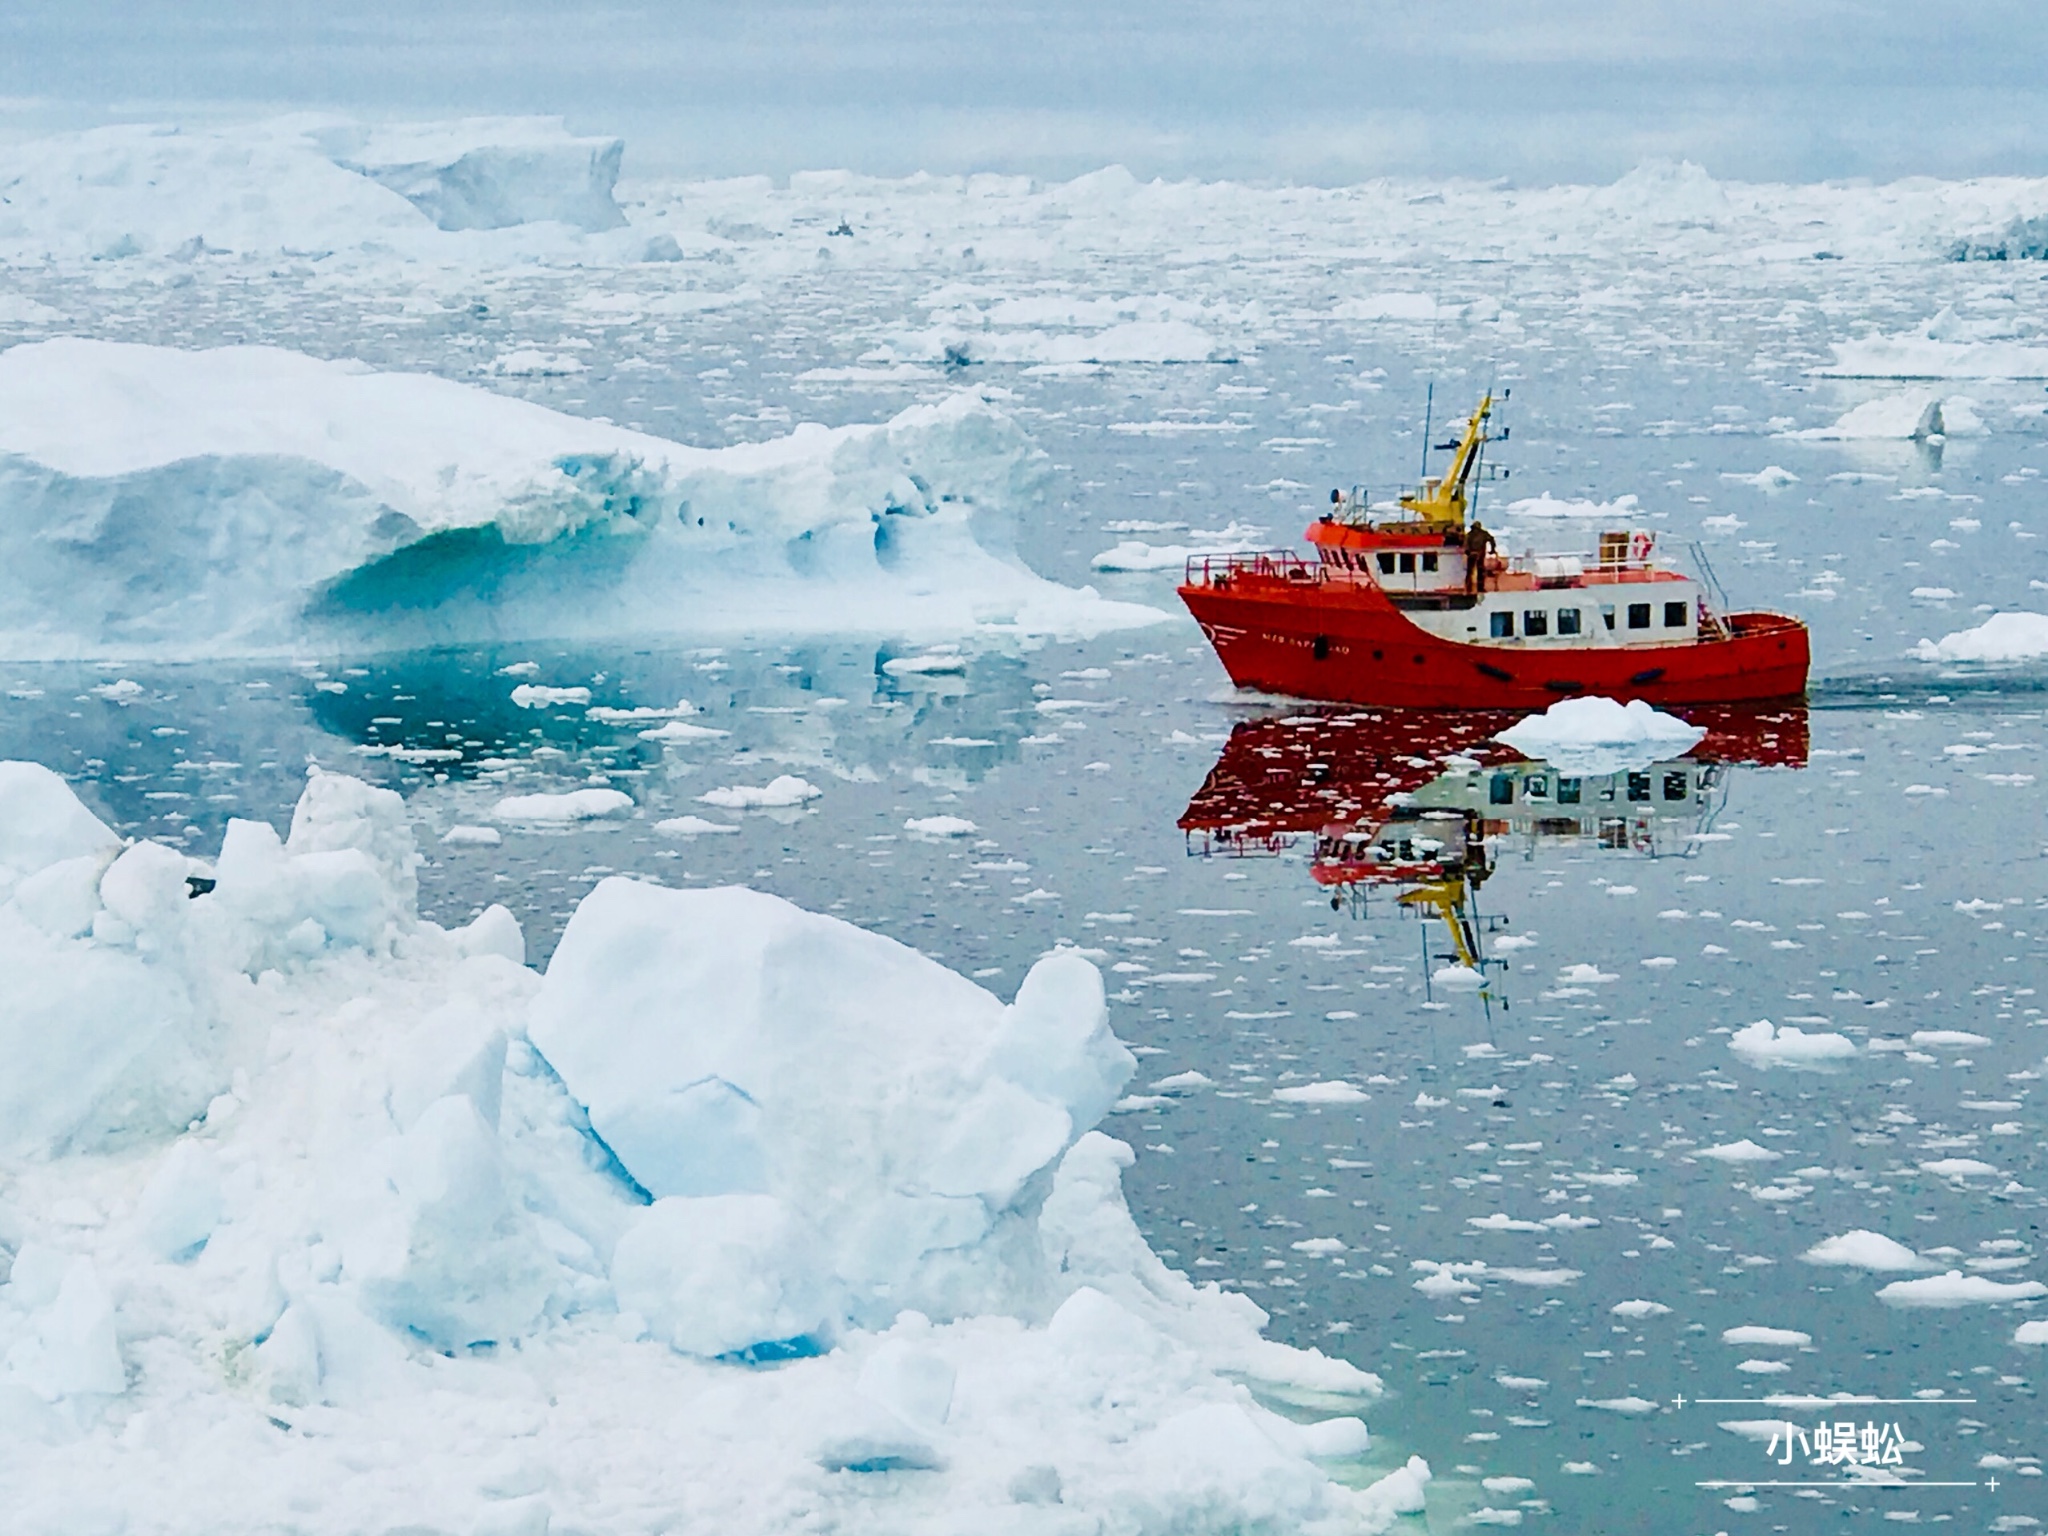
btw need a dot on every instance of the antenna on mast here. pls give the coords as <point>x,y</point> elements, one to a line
<point>1428,407</point>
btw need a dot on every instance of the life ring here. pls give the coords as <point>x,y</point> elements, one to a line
<point>1639,546</point>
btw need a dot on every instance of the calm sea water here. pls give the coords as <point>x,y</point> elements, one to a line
<point>1886,879</point>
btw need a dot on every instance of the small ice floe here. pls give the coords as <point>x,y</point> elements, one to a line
<point>520,669</point>
<point>1182,1082</point>
<point>931,662</point>
<point>1319,1247</point>
<point>1581,975</point>
<point>1958,1168</point>
<point>1914,415</point>
<point>1508,943</point>
<point>122,691</point>
<point>1767,1045</point>
<point>1594,736</point>
<point>1771,477</point>
<point>691,826</point>
<point>1743,1151</point>
<point>606,714</point>
<point>1639,1309</point>
<point>533,363</point>
<point>1334,1092</point>
<point>535,696</point>
<point>1457,978</point>
<point>1622,509</point>
<point>1521,1383</point>
<point>785,790</point>
<point>940,826</point>
<point>682,730</point>
<point>2004,638</point>
<point>1961,1039</point>
<point>1619,1404</point>
<point>1757,1336</point>
<point>479,836</point>
<point>576,805</point>
<point>1863,1249</point>
<point>2035,1332</point>
<point>1956,1289</point>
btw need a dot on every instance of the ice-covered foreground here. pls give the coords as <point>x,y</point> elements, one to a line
<point>184,503</point>
<point>321,1217</point>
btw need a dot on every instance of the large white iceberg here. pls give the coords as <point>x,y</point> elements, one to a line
<point>2002,638</point>
<point>1594,735</point>
<point>486,173</point>
<point>185,503</point>
<point>320,1216</point>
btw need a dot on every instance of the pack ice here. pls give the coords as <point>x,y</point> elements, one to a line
<point>190,503</point>
<point>322,1217</point>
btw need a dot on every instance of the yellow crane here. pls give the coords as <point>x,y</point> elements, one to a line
<point>1440,500</point>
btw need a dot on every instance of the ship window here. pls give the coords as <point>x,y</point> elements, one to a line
<point>1386,565</point>
<point>1639,786</point>
<point>1567,791</point>
<point>1407,565</point>
<point>1536,787</point>
<point>1613,832</point>
<point>1502,790</point>
<point>1677,786</point>
<point>1567,621</point>
<point>1503,625</point>
<point>1674,615</point>
<point>1536,621</point>
<point>1638,615</point>
<point>1607,614</point>
<point>1429,562</point>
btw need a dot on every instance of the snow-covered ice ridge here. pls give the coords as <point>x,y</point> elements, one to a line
<point>317,1216</point>
<point>193,503</point>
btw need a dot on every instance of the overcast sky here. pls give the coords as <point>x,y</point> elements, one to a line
<point>1533,90</point>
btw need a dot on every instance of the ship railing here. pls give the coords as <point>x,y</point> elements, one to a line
<point>1266,564</point>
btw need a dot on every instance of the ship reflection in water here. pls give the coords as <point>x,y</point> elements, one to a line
<point>1424,805</point>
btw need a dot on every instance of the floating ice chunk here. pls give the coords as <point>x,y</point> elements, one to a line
<point>1756,1335</point>
<point>1581,974</point>
<point>929,664</point>
<point>534,696</point>
<point>1956,1289</point>
<point>783,791</point>
<point>610,716</point>
<point>2002,638</point>
<point>1319,1247</point>
<point>486,173</point>
<point>532,363</point>
<point>1335,1092</point>
<point>1771,477</point>
<point>940,826</point>
<point>1633,1309</point>
<point>682,730</point>
<point>1622,509</point>
<point>2035,1332</point>
<point>1766,1045</point>
<point>1181,1082</point>
<point>1743,1151</point>
<point>1593,736</point>
<point>1958,1168</point>
<point>1863,1249</point>
<point>1630,1405</point>
<point>575,805</point>
<point>1457,978</point>
<point>1924,357</point>
<point>725,1275</point>
<point>1915,414</point>
<point>475,837</point>
<point>691,826</point>
<point>1522,1383</point>
<point>1960,1038</point>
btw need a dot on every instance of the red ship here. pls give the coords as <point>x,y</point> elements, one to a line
<point>1421,610</point>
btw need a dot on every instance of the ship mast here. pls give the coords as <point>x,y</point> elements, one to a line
<point>1440,501</point>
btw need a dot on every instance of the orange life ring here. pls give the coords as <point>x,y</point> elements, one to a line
<point>1640,545</point>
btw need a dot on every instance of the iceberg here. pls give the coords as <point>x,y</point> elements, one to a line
<point>2003,638</point>
<point>487,173</point>
<point>374,1228</point>
<point>230,501</point>
<point>1595,735</point>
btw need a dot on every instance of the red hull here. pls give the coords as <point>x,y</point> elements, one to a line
<point>1345,642</point>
